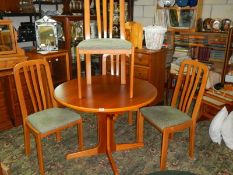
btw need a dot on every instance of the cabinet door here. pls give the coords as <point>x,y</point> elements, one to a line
<point>58,69</point>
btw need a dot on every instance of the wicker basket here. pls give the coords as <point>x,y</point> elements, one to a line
<point>154,36</point>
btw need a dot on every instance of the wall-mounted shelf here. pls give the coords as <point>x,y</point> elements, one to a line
<point>40,3</point>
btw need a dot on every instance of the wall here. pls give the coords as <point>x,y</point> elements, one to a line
<point>144,10</point>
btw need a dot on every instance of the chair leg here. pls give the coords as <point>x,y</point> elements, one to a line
<point>123,76</point>
<point>140,127</point>
<point>88,68</point>
<point>115,117</point>
<point>163,159</point>
<point>58,136</point>
<point>171,136</point>
<point>39,154</point>
<point>191,141</point>
<point>112,65</point>
<point>80,135</point>
<point>104,64</point>
<point>79,74</point>
<point>27,140</point>
<point>117,65</point>
<point>131,74</point>
<point>130,117</point>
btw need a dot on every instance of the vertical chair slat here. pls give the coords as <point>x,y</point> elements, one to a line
<point>191,86</point>
<point>87,18</point>
<point>184,88</point>
<point>177,88</point>
<point>195,84</point>
<point>111,18</point>
<point>122,19</point>
<point>42,90</point>
<point>188,86</point>
<point>99,26</point>
<point>30,89</point>
<point>36,95</point>
<point>104,5</point>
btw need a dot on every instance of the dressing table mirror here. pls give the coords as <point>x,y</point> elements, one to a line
<point>46,34</point>
<point>10,53</point>
<point>6,38</point>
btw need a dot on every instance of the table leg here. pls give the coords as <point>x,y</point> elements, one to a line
<point>109,151</point>
<point>106,142</point>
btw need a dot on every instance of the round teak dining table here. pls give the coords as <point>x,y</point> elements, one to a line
<point>106,97</point>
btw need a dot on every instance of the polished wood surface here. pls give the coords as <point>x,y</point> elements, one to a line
<point>106,94</point>
<point>36,76</point>
<point>107,97</point>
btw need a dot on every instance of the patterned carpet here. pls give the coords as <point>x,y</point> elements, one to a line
<point>210,158</point>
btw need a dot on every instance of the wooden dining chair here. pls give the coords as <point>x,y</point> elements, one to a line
<point>106,44</point>
<point>184,108</point>
<point>41,115</point>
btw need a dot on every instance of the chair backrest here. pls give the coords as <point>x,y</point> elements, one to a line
<point>190,87</point>
<point>34,86</point>
<point>134,33</point>
<point>104,16</point>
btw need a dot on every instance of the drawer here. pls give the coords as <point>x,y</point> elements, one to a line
<point>142,59</point>
<point>4,115</point>
<point>141,73</point>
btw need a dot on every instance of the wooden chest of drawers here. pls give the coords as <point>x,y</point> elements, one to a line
<point>150,65</point>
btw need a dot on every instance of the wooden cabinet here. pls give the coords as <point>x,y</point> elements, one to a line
<point>58,62</point>
<point>150,66</point>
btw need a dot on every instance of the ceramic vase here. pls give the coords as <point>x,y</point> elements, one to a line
<point>192,3</point>
<point>182,3</point>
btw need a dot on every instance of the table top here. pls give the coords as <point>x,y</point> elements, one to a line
<point>105,94</point>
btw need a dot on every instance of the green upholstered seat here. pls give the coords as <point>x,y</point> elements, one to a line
<point>105,44</point>
<point>164,116</point>
<point>52,118</point>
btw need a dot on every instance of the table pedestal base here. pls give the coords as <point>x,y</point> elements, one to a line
<point>106,141</point>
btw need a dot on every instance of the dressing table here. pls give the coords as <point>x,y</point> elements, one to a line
<point>10,55</point>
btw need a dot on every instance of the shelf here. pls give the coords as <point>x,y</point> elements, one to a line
<point>177,8</point>
<point>47,3</point>
<point>216,60</point>
<point>21,14</point>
